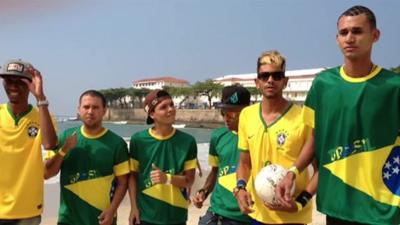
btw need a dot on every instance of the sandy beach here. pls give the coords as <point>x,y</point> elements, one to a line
<point>52,202</point>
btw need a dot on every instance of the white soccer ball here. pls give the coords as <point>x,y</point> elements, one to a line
<point>267,180</point>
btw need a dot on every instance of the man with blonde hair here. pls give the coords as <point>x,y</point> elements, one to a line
<point>271,132</point>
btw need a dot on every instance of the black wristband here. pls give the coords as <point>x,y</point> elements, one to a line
<point>303,198</point>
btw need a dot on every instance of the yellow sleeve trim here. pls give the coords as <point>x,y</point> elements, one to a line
<point>191,164</point>
<point>121,169</point>
<point>308,116</point>
<point>134,165</point>
<point>49,154</point>
<point>213,160</point>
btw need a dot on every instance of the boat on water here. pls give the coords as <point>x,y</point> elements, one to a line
<point>182,125</point>
<point>120,122</point>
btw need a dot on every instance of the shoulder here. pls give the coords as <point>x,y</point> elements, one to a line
<point>390,75</point>
<point>69,131</point>
<point>140,134</point>
<point>251,109</point>
<point>219,132</point>
<point>184,135</point>
<point>114,136</point>
<point>330,73</point>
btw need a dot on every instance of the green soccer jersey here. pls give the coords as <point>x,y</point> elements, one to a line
<point>224,154</point>
<point>173,154</point>
<point>357,140</point>
<point>88,175</point>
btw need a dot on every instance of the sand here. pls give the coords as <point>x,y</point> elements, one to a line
<point>52,201</point>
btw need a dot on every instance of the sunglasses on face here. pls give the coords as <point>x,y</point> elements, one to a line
<point>276,76</point>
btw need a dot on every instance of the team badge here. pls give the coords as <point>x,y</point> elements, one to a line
<point>33,130</point>
<point>281,137</point>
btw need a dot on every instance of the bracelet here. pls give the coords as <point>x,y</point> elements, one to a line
<point>169,178</point>
<point>241,183</point>
<point>42,103</point>
<point>303,198</point>
<point>295,170</point>
<point>61,152</point>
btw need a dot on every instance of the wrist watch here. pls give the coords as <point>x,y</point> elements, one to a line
<point>237,189</point>
<point>42,103</point>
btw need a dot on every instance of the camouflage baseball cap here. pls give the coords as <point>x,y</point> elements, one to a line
<point>16,68</point>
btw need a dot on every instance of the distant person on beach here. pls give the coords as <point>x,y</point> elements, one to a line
<point>223,159</point>
<point>354,110</point>
<point>272,132</point>
<point>94,164</point>
<point>163,163</point>
<point>24,130</point>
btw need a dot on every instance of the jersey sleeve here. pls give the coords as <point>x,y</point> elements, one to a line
<point>213,159</point>
<point>133,157</point>
<point>243,144</point>
<point>121,159</point>
<point>308,111</point>
<point>191,159</point>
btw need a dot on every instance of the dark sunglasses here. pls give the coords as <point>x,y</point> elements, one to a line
<point>276,76</point>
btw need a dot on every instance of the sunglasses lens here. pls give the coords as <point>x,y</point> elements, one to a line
<point>276,76</point>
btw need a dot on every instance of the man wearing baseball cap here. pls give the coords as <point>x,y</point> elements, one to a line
<point>24,129</point>
<point>223,158</point>
<point>163,162</point>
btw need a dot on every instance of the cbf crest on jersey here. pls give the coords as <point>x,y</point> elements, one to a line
<point>391,171</point>
<point>281,137</point>
<point>33,130</point>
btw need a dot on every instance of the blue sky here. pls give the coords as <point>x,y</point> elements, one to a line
<point>82,44</point>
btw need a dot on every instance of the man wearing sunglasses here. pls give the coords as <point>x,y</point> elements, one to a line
<point>355,112</point>
<point>272,132</point>
<point>223,158</point>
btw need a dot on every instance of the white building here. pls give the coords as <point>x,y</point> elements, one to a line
<point>298,85</point>
<point>159,83</point>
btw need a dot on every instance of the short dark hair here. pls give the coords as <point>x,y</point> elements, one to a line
<point>94,93</point>
<point>358,10</point>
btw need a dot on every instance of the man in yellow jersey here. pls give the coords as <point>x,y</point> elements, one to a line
<point>272,132</point>
<point>24,129</point>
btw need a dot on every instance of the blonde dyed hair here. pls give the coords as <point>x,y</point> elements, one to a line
<point>271,58</point>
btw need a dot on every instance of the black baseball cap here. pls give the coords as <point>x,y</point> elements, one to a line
<point>234,96</point>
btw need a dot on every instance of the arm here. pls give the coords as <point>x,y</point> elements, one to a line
<point>106,217</point>
<point>182,181</point>
<point>202,194</point>
<point>53,165</point>
<point>243,173</point>
<point>49,137</point>
<point>134,217</point>
<point>304,159</point>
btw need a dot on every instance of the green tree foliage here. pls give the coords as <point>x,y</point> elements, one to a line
<point>184,92</point>
<point>254,92</point>
<point>207,88</point>
<point>396,69</point>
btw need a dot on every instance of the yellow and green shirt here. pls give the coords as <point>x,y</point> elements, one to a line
<point>88,174</point>
<point>356,124</point>
<point>173,154</point>
<point>21,164</point>
<point>277,143</point>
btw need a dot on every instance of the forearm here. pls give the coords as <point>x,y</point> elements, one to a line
<point>306,155</point>
<point>53,166</point>
<point>119,194</point>
<point>211,180</point>
<point>132,189</point>
<point>244,168</point>
<point>312,185</point>
<point>49,137</point>
<point>185,180</point>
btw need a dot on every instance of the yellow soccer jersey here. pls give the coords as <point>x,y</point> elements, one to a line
<point>279,143</point>
<point>21,164</point>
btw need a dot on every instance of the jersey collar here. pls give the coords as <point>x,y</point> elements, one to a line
<point>159,137</point>
<point>348,78</point>
<point>89,136</point>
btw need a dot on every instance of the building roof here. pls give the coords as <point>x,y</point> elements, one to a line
<point>306,73</point>
<point>165,79</point>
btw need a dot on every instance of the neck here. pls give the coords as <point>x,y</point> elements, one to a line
<point>93,130</point>
<point>162,129</point>
<point>274,105</point>
<point>358,68</point>
<point>18,109</point>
